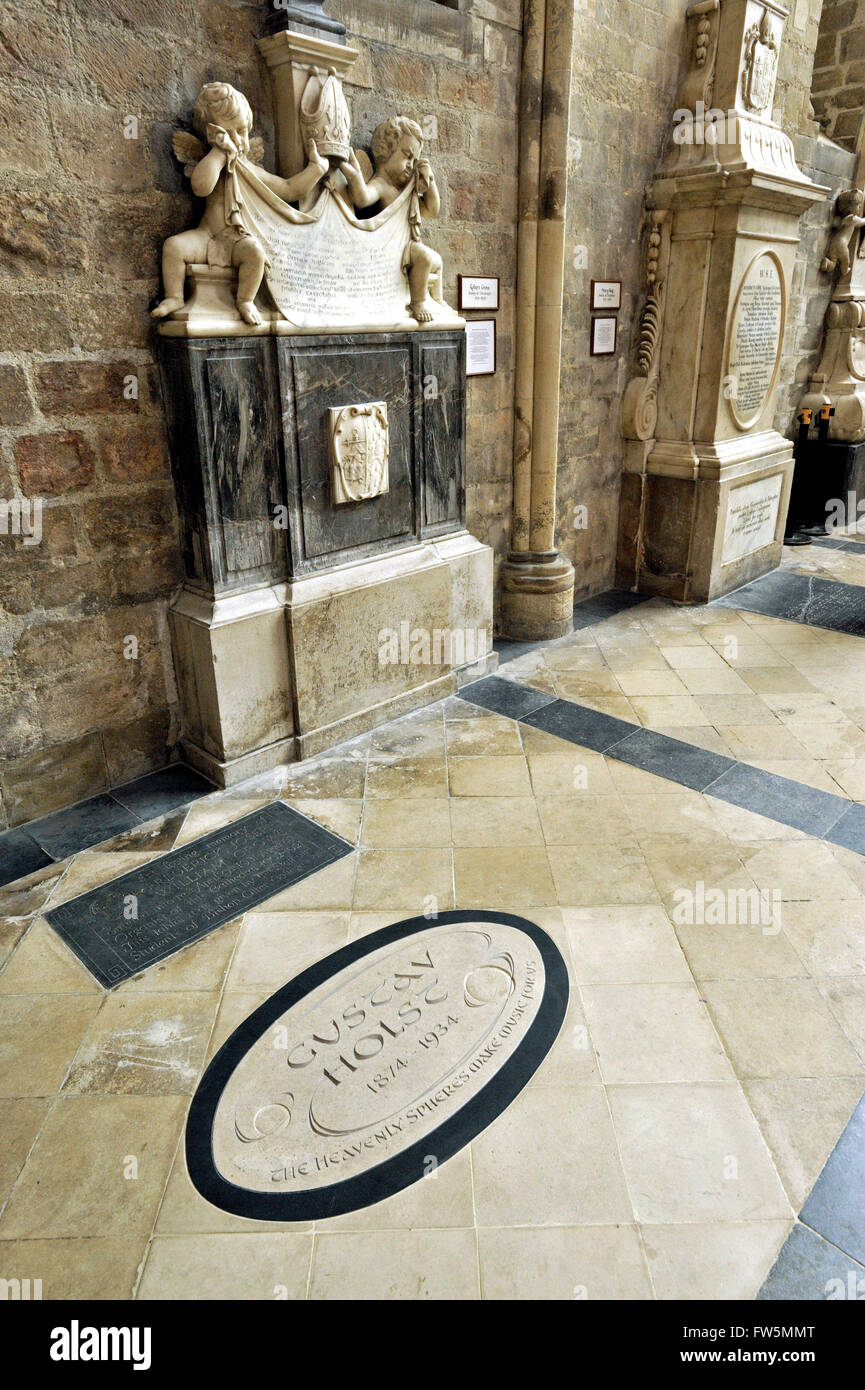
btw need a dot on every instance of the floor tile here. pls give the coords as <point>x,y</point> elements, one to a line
<point>20,1122</point>
<point>489,776</point>
<point>43,964</point>
<point>671,758</point>
<point>39,1036</point>
<point>274,947</point>
<point>849,830</point>
<point>406,878</point>
<point>397,1265</point>
<point>80,826</point>
<point>144,1044</point>
<point>98,1268</point>
<point>578,1179</point>
<point>235,1267</point>
<point>472,737</point>
<point>160,792</point>
<point>722,1261</point>
<point>810,1269</point>
<point>836,1206</point>
<point>694,1153</point>
<point>563,1263</point>
<point>625,944</point>
<point>653,1033</point>
<point>504,696</point>
<point>775,1028</point>
<point>579,724</point>
<point>493,821</point>
<point>123,1145</point>
<point>801,1119</point>
<point>500,878</point>
<point>20,855</point>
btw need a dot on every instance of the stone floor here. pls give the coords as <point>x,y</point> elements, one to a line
<point>703,1075</point>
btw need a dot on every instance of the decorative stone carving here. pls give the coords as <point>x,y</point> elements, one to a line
<point>761,64</point>
<point>640,407</point>
<point>359,451</point>
<point>839,380</point>
<point>223,237</point>
<point>326,268</point>
<point>707,476</point>
<point>324,117</point>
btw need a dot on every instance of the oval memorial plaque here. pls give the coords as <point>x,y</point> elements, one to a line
<point>756,337</point>
<point>395,1050</point>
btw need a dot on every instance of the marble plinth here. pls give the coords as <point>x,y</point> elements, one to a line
<point>308,617</point>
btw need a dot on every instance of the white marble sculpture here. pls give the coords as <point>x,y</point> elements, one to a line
<point>326,267</point>
<point>224,117</point>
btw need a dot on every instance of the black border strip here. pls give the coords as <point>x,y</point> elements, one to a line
<point>407,1167</point>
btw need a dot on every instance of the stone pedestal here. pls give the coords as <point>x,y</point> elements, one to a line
<point>305,620</point>
<point>707,475</point>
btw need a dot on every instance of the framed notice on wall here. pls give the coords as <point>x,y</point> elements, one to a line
<point>606,294</point>
<point>478,292</point>
<point>604,335</point>
<point>480,347</point>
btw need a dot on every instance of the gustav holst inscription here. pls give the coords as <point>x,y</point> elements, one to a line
<point>375,1065</point>
<point>755,345</point>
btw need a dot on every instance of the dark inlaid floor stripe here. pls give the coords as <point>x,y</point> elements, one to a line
<point>824,1256</point>
<point>841,543</point>
<point>124,926</point>
<point>803,598</point>
<point>88,823</point>
<point>818,813</point>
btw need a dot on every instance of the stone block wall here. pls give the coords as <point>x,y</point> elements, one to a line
<point>89,95</point>
<point>839,70</point>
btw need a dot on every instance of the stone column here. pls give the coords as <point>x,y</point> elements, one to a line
<point>299,41</point>
<point>537,584</point>
<point>707,476</point>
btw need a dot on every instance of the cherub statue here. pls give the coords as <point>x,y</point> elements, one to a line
<point>224,118</point>
<point>396,149</point>
<point>850,208</point>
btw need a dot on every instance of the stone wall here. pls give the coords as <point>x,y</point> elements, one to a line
<point>88,97</point>
<point>839,70</point>
<point>628,60</point>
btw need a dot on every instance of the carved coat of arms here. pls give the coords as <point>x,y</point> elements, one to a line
<point>761,64</point>
<point>359,451</point>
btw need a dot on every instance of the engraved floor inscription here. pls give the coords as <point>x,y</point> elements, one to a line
<point>124,926</point>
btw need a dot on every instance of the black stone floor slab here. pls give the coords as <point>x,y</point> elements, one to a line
<point>848,543</point>
<point>509,650</point>
<point>781,799</point>
<point>20,855</point>
<point>504,697</point>
<point>849,830</point>
<point>803,598</point>
<point>579,724</point>
<point>157,793</point>
<point>685,763</point>
<point>836,1207</point>
<point>589,611</point>
<point>122,927</point>
<point>810,1269</point>
<point>81,826</point>
<point>99,818</point>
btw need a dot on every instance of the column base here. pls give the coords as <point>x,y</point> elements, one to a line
<point>537,598</point>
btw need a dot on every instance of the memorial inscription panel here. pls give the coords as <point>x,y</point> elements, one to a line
<point>752,518</point>
<point>756,337</point>
<point>122,927</point>
<point>380,1060</point>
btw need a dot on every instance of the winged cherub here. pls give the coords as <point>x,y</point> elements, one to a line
<point>224,118</point>
<point>396,149</point>
<point>849,221</point>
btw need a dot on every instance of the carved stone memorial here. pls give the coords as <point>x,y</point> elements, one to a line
<point>314,384</point>
<point>707,480</point>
